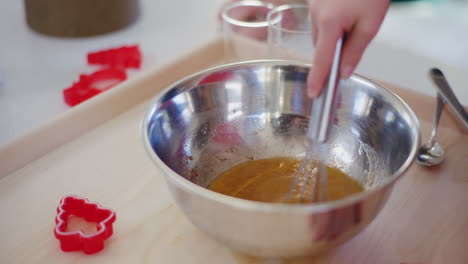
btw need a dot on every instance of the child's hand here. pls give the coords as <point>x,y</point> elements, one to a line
<point>360,19</point>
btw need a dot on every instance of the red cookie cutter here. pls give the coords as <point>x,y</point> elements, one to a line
<point>84,89</point>
<point>123,57</point>
<point>91,212</point>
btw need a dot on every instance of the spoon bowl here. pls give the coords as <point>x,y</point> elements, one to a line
<point>431,155</point>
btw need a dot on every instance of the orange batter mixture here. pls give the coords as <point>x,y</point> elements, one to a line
<point>269,180</point>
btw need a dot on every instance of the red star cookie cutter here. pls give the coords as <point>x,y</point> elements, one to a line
<point>85,88</point>
<point>91,212</point>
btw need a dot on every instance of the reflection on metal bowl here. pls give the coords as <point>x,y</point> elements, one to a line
<point>218,118</point>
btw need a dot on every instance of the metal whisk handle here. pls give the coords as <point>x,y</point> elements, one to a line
<point>323,106</point>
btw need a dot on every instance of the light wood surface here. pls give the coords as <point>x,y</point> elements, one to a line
<point>424,221</point>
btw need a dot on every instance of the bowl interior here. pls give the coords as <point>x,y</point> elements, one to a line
<point>213,120</point>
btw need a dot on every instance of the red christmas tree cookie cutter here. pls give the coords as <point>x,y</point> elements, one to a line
<point>91,212</point>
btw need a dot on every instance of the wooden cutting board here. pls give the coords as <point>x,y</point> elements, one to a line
<point>95,151</point>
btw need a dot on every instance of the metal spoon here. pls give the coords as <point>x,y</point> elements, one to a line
<point>448,95</point>
<point>432,153</point>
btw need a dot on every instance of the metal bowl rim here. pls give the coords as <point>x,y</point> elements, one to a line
<point>273,207</point>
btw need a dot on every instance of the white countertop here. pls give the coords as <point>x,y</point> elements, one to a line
<point>34,69</point>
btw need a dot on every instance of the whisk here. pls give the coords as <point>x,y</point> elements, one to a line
<point>310,179</point>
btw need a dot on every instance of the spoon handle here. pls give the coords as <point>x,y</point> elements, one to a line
<point>448,95</point>
<point>435,124</point>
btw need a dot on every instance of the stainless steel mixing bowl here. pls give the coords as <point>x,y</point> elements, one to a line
<point>220,117</point>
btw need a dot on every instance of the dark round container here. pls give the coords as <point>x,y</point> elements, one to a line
<point>80,18</point>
